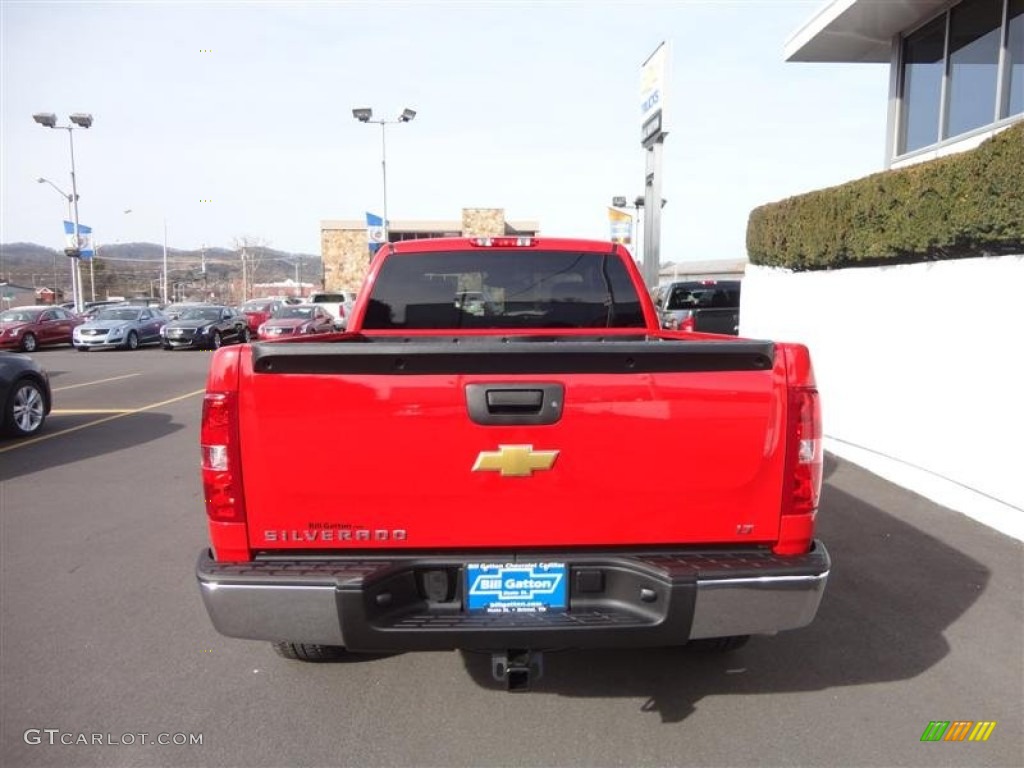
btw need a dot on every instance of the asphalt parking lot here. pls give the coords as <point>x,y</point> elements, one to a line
<point>102,631</point>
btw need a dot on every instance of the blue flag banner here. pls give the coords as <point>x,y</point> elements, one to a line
<point>84,244</point>
<point>374,231</point>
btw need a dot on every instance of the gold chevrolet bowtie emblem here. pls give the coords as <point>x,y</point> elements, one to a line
<point>514,460</point>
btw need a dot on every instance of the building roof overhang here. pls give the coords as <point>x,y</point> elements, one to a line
<point>713,266</point>
<point>858,31</point>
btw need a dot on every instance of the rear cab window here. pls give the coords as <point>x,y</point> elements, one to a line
<point>497,289</point>
<point>327,298</point>
<point>703,295</point>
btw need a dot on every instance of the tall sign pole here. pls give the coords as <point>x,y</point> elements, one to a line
<point>653,92</point>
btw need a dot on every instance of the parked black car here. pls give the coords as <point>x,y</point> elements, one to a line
<point>24,395</point>
<point>207,326</point>
<point>709,306</point>
<point>173,311</point>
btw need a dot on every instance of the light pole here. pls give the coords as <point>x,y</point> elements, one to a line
<point>365,115</point>
<point>82,120</point>
<point>163,298</point>
<point>297,264</point>
<point>163,280</point>
<point>67,197</point>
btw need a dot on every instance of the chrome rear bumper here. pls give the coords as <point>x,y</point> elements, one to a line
<point>369,604</point>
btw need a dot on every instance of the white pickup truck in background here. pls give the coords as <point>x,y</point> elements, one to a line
<point>338,303</point>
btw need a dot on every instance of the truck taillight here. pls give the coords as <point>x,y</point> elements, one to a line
<point>807,471</point>
<point>686,324</point>
<point>221,468</point>
<point>802,482</point>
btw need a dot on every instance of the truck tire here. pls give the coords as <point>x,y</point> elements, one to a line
<point>719,644</point>
<point>308,652</point>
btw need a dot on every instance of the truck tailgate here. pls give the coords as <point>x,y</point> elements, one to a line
<point>373,445</point>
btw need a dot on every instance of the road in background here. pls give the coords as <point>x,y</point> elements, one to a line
<point>102,630</point>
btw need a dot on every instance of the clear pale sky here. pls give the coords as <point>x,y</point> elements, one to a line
<point>528,106</point>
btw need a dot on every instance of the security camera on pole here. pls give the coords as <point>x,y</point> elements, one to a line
<point>82,120</point>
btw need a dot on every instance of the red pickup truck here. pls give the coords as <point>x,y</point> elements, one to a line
<point>519,479</point>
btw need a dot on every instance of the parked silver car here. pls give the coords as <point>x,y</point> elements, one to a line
<point>120,328</point>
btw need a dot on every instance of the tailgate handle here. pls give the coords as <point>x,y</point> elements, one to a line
<point>514,403</point>
<point>514,400</point>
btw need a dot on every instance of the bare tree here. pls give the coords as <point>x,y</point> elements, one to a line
<point>251,251</point>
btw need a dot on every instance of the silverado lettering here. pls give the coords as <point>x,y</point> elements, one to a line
<point>359,534</point>
<point>468,366</point>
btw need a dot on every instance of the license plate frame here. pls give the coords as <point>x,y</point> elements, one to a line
<point>535,587</point>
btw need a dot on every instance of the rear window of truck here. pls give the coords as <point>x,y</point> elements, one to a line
<point>704,295</point>
<point>502,289</point>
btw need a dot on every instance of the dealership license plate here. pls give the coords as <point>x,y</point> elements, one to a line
<point>516,587</point>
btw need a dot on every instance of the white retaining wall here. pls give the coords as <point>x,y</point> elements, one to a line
<point>920,369</point>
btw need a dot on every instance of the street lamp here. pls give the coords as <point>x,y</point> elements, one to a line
<point>365,115</point>
<point>81,120</point>
<point>70,200</point>
<point>163,281</point>
<point>297,264</point>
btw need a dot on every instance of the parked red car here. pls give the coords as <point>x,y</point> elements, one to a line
<point>258,311</point>
<point>28,328</point>
<point>298,319</point>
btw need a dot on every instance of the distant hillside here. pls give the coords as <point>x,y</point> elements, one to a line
<point>15,255</point>
<point>127,266</point>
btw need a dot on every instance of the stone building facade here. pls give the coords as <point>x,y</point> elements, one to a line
<point>346,254</point>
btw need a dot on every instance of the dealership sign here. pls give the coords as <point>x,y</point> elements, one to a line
<point>653,89</point>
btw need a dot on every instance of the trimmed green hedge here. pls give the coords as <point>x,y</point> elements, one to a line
<point>963,205</point>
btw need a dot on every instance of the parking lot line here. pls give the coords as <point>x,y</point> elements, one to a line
<point>98,381</point>
<point>116,415</point>
<point>86,411</point>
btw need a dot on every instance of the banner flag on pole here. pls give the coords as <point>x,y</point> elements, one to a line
<point>84,244</point>
<point>621,224</point>
<point>374,231</point>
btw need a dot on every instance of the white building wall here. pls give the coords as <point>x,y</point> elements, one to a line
<point>920,368</point>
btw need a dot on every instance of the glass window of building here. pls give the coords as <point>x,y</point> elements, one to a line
<point>923,65</point>
<point>974,40</point>
<point>1015,52</point>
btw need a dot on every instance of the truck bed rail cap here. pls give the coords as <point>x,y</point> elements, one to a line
<point>501,357</point>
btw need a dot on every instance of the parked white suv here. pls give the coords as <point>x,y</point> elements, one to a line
<point>338,303</point>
